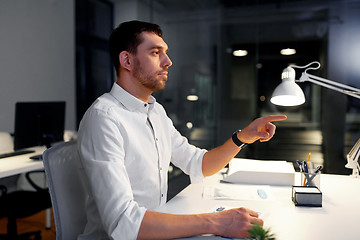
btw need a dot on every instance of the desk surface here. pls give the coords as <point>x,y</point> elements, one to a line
<point>21,163</point>
<point>337,219</point>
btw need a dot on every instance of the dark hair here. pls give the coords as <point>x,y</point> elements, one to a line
<point>126,37</point>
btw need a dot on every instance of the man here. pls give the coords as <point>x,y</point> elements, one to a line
<point>126,143</point>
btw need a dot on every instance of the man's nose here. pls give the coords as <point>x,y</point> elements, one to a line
<point>167,61</point>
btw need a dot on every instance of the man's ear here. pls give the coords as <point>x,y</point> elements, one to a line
<point>125,60</point>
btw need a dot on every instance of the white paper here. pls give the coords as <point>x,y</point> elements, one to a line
<point>260,172</point>
<point>236,192</point>
<point>242,164</point>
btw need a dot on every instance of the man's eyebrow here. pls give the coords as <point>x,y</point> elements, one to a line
<point>160,47</point>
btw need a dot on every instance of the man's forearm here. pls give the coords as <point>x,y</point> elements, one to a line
<point>230,223</point>
<point>157,225</point>
<point>260,129</point>
<point>217,158</point>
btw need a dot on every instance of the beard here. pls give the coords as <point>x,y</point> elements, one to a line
<point>151,80</point>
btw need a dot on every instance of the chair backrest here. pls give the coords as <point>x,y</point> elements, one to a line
<point>67,191</point>
<point>6,143</point>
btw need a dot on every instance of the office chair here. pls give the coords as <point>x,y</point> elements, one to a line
<point>6,142</point>
<point>20,204</point>
<point>68,194</point>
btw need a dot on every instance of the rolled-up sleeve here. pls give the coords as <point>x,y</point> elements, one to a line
<point>187,157</point>
<point>102,157</point>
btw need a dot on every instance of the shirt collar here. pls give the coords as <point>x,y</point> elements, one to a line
<point>129,101</point>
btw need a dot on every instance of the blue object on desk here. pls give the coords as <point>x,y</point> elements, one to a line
<point>219,209</point>
<point>262,194</point>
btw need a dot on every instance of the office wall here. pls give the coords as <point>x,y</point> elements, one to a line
<point>37,56</point>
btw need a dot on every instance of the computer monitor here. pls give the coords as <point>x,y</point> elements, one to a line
<point>38,123</point>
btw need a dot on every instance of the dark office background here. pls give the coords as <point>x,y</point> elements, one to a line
<point>233,90</point>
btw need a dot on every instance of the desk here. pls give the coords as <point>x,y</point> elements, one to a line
<point>337,219</point>
<point>20,164</point>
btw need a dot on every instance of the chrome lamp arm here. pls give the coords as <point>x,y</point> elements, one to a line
<point>345,89</point>
<point>353,155</point>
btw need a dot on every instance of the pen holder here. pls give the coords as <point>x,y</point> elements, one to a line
<point>310,179</point>
<point>306,196</point>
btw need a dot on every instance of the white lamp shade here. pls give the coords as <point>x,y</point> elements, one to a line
<point>288,93</point>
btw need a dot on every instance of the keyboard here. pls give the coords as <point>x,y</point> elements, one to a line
<point>15,153</point>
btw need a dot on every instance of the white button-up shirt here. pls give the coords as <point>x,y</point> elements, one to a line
<point>126,146</point>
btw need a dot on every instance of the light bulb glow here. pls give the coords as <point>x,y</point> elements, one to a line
<point>192,98</point>
<point>189,125</point>
<point>288,51</point>
<point>240,53</point>
<point>287,100</point>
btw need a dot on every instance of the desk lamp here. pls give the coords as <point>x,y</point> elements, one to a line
<point>353,157</point>
<point>288,93</point>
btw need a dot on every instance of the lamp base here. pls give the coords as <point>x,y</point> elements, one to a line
<point>355,173</point>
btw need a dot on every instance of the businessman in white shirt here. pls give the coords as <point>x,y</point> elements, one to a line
<point>126,143</point>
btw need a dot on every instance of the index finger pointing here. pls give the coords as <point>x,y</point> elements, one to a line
<point>273,118</point>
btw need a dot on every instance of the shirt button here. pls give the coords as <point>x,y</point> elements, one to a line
<point>162,195</point>
<point>145,104</point>
<point>156,139</point>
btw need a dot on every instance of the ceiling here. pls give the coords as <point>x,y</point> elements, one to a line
<point>191,5</point>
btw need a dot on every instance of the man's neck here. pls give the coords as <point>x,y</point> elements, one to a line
<point>137,91</point>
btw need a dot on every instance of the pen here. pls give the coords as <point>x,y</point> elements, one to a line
<point>305,167</point>
<point>306,164</point>
<point>308,160</point>
<point>319,168</point>
<point>300,165</point>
